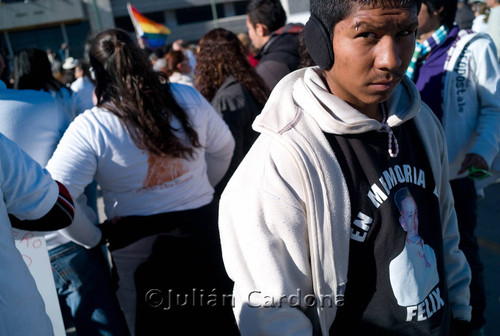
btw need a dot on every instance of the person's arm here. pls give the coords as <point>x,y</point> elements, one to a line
<point>264,239</point>
<point>218,162</point>
<point>219,144</point>
<point>33,200</point>
<point>487,83</point>
<point>60,216</point>
<point>235,110</point>
<point>493,28</point>
<point>74,163</point>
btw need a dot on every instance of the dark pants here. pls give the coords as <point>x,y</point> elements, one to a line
<point>464,193</point>
<point>176,280</point>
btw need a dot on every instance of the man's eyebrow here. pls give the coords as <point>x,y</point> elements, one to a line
<point>365,25</point>
<point>411,25</point>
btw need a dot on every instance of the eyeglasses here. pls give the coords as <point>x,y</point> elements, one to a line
<point>478,174</point>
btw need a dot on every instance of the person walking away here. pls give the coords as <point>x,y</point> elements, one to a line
<point>35,122</point>
<point>228,81</point>
<point>156,150</point>
<point>32,70</point>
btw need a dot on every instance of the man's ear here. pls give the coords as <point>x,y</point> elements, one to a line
<point>439,11</point>
<point>402,223</point>
<point>261,29</point>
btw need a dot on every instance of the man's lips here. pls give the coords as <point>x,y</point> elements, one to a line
<point>385,83</point>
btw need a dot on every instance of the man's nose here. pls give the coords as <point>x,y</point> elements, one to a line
<point>387,54</point>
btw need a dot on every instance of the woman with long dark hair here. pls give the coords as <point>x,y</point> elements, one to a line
<point>224,77</point>
<point>156,150</point>
<point>32,70</point>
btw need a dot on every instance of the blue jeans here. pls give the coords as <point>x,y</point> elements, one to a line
<point>86,295</point>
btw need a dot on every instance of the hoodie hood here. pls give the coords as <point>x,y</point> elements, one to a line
<point>303,91</point>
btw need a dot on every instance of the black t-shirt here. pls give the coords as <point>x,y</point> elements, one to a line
<point>396,280</point>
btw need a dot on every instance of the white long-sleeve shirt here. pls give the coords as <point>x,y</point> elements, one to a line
<point>135,182</point>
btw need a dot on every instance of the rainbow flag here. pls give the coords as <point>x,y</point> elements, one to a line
<point>154,33</point>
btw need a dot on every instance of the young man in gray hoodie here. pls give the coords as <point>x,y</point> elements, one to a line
<point>309,221</point>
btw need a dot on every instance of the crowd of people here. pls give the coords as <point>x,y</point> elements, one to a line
<point>291,179</point>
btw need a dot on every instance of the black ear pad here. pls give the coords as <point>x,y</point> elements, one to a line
<point>318,43</point>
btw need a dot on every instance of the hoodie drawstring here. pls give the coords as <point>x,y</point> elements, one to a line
<point>390,134</point>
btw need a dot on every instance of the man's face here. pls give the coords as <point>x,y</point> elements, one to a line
<point>409,216</point>
<point>255,35</point>
<point>372,49</point>
<point>427,22</point>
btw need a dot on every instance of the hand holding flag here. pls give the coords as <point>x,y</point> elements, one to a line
<point>153,33</point>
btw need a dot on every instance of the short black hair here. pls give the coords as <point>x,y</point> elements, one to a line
<point>449,10</point>
<point>267,12</point>
<point>400,196</point>
<point>331,12</point>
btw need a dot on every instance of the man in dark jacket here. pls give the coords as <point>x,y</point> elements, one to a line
<point>277,41</point>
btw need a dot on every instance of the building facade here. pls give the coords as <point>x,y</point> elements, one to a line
<point>46,24</point>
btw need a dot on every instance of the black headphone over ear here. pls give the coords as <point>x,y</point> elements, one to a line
<point>318,43</point>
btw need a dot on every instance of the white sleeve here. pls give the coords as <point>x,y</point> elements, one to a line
<point>82,231</point>
<point>213,132</point>
<point>264,239</point>
<point>74,164</point>
<point>28,190</point>
<point>487,78</point>
<point>218,162</point>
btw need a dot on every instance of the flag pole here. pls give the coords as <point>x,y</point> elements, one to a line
<point>97,14</point>
<point>214,13</point>
<point>132,18</point>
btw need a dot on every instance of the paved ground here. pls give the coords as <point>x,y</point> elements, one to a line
<point>488,233</point>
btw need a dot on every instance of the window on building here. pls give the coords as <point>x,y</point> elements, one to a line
<point>41,38</point>
<point>240,7</point>
<point>78,34</point>
<point>51,38</point>
<point>123,22</point>
<point>198,14</point>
